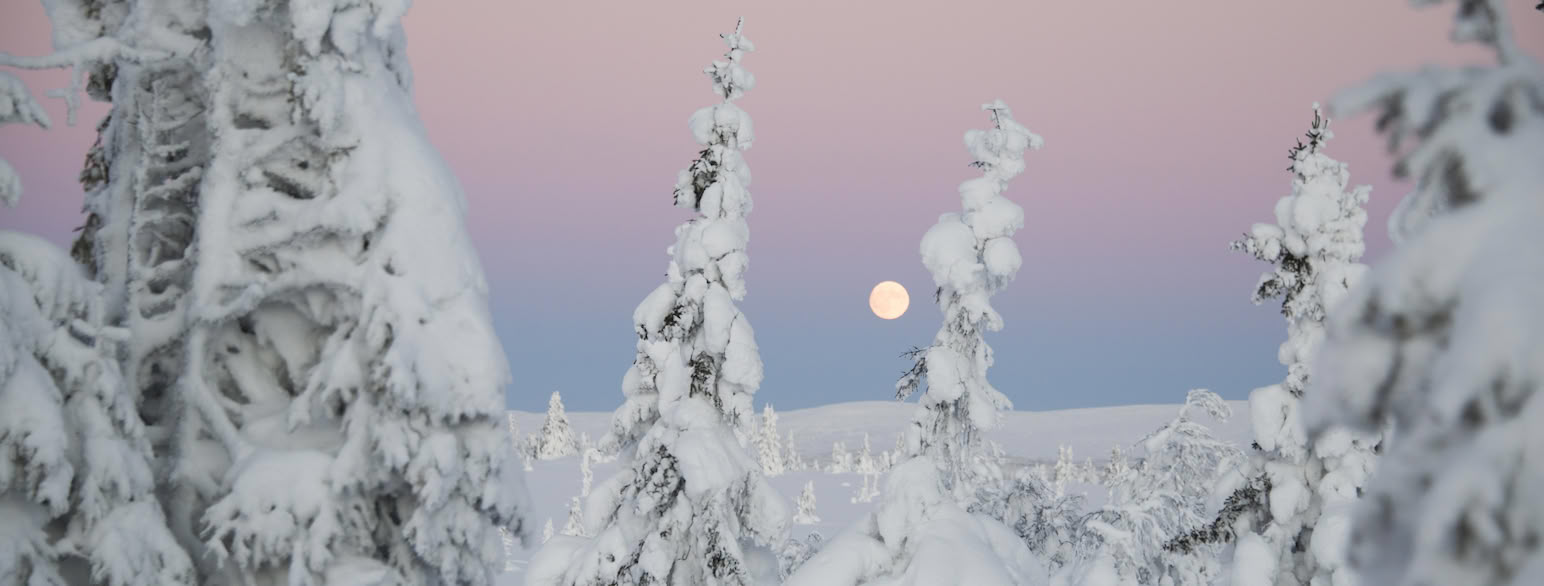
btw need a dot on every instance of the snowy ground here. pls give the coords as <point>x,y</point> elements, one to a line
<point>1026,437</point>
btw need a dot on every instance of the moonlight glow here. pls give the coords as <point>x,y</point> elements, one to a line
<point>889,300</point>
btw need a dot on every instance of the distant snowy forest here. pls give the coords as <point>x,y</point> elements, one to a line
<point>268,358</point>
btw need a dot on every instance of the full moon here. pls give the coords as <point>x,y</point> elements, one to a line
<point>889,300</point>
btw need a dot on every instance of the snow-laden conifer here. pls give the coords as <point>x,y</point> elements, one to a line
<point>797,551</point>
<point>868,467</point>
<point>972,256</point>
<point>320,377</point>
<point>691,505</point>
<point>1044,515</point>
<point>1127,541</point>
<point>806,513</point>
<point>922,532</point>
<point>1313,247</point>
<point>587,476</point>
<point>769,449</point>
<point>841,459</point>
<point>340,353</point>
<point>557,438</point>
<point>77,489</point>
<point>574,527</point>
<point>1446,336</point>
<point>791,457</point>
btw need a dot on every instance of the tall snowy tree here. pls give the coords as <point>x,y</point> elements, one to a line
<point>321,378</point>
<point>971,256</point>
<point>1446,336</point>
<point>557,438</point>
<point>925,530</point>
<point>691,505</point>
<point>1313,248</point>
<point>77,493</point>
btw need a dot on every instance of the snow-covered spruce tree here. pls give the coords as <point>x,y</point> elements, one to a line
<point>795,552</point>
<point>340,354</point>
<point>1313,248</point>
<point>1116,468</point>
<point>586,475</point>
<point>806,513</point>
<point>791,458</point>
<point>841,459</point>
<point>691,505</point>
<point>77,501</point>
<point>142,180</point>
<point>1067,469</point>
<point>1149,506</point>
<point>971,256</point>
<point>769,449</point>
<point>867,466</point>
<point>575,525</point>
<point>261,163</point>
<point>1446,337</point>
<point>557,438</point>
<point>1043,514</point>
<point>923,531</point>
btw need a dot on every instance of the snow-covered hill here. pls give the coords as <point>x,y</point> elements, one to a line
<point>1026,437</point>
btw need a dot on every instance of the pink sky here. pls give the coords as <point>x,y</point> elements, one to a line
<point>1166,127</point>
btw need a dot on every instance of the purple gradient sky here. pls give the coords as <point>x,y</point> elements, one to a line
<point>1166,127</point>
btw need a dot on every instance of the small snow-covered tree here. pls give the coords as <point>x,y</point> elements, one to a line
<point>1066,469</point>
<point>527,448</point>
<point>691,505</point>
<point>1164,497</point>
<point>547,531</point>
<point>923,531</point>
<point>867,466</point>
<point>797,551</point>
<point>557,438</point>
<point>1042,513</point>
<point>806,513</point>
<point>587,476</point>
<point>1314,246</point>
<point>896,453</point>
<point>971,256</point>
<point>575,525</point>
<point>841,459</point>
<point>792,459</point>
<point>1117,468</point>
<point>76,483</point>
<point>769,450</point>
<point>1446,336</point>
